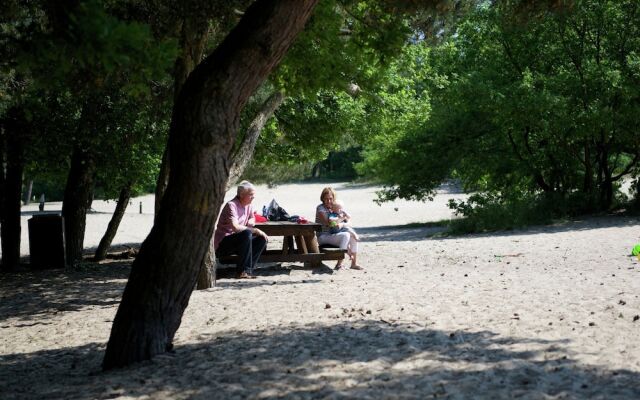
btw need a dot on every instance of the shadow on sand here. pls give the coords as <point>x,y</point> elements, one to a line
<point>365,359</point>
<point>362,358</point>
<point>29,294</point>
<point>423,231</point>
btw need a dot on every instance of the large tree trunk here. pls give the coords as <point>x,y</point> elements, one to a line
<point>112,228</point>
<point>13,138</point>
<point>203,128</point>
<point>193,37</point>
<point>78,195</point>
<point>242,156</point>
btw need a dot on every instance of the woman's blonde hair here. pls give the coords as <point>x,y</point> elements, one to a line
<point>327,190</point>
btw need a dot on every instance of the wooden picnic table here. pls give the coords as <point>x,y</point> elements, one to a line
<point>300,244</point>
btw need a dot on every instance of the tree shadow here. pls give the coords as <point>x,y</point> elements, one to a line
<point>422,231</point>
<point>29,293</point>
<point>239,284</point>
<point>399,233</point>
<point>37,212</point>
<point>350,359</point>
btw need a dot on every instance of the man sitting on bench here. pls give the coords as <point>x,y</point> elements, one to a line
<point>236,234</point>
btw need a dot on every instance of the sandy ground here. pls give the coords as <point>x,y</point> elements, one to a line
<point>545,313</point>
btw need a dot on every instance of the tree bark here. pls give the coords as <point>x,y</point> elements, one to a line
<point>112,228</point>
<point>193,37</point>
<point>207,274</point>
<point>78,195</point>
<point>3,161</point>
<point>13,138</point>
<point>242,156</point>
<point>204,125</point>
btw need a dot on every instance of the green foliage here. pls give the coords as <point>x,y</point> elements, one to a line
<point>339,165</point>
<point>277,173</point>
<point>307,128</point>
<point>485,212</point>
<point>544,106</point>
<point>99,51</point>
<point>98,82</point>
<point>344,42</point>
<point>331,76</point>
<point>400,104</point>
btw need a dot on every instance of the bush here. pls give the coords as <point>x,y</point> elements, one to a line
<point>490,212</point>
<point>276,174</point>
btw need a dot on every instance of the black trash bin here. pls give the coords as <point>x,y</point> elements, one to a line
<point>46,241</point>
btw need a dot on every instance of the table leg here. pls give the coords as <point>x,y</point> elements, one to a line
<point>312,245</point>
<point>302,246</point>
<point>287,244</point>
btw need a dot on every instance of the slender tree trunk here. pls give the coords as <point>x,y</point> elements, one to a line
<point>588,170</point>
<point>162,182</point>
<point>242,156</point>
<point>112,228</point>
<point>607,195</point>
<point>3,163</point>
<point>78,195</point>
<point>315,171</point>
<point>605,183</point>
<point>27,196</point>
<point>204,125</point>
<point>193,37</point>
<point>14,136</point>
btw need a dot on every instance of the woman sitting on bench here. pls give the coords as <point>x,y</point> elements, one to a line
<point>342,239</point>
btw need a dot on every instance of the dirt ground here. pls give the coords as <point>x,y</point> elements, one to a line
<point>549,312</point>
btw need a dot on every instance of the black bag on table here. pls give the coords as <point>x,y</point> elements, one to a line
<point>276,213</point>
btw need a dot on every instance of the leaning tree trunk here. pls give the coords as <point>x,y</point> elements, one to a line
<point>116,218</point>
<point>193,38</point>
<point>14,135</point>
<point>78,195</point>
<point>239,162</point>
<point>242,156</point>
<point>203,128</point>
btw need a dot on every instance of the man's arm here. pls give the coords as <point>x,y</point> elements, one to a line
<point>238,227</point>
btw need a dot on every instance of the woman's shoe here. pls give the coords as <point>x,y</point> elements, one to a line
<point>357,267</point>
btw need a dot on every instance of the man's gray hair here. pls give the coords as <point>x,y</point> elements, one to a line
<point>245,186</point>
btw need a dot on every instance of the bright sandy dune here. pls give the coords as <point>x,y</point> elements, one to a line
<point>545,313</point>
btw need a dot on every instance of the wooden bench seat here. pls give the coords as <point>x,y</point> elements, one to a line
<point>277,256</point>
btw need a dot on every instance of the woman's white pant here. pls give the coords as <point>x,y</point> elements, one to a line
<point>343,240</point>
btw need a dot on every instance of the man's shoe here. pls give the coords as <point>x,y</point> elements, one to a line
<point>244,275</point>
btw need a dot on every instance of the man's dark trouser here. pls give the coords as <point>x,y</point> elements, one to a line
<point>246,246</point>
